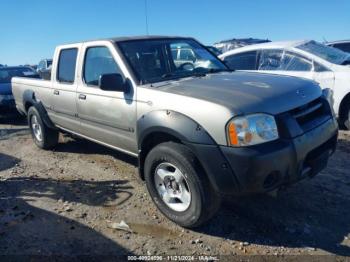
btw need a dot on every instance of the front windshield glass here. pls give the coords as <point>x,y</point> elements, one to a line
<point>6,73</point>
<point>164,59</point>
<point>332,55</point>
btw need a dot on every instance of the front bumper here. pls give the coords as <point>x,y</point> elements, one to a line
<point>262,168</point>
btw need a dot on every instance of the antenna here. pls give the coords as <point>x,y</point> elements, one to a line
<point>146,17</point>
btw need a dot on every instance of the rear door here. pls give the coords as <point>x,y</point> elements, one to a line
<point>63,93</point>
<point>106,116</point>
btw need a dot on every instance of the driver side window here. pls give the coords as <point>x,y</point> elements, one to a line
<point>98,61</point>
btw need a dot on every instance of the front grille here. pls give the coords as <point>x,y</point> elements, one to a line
<point>309,112</point>
<point>304,118</point>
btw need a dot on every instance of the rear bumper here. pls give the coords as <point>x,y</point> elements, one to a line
<point>268,166</point>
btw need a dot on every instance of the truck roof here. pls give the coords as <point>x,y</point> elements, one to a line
<point>130,38</point>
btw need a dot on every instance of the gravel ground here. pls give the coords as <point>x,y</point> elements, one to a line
<point>67,202</point>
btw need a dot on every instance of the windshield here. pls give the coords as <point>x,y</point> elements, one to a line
<point>7,73</point>
<point>163,59</point>
<point>328,53</point>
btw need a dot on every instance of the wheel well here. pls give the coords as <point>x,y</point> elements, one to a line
<point>149,142</point>
<point>342,106</point>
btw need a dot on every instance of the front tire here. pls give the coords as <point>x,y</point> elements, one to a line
<point>178,185</point>
<point>43,136</point>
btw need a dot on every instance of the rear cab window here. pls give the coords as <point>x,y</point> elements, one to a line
<point>66,65</point>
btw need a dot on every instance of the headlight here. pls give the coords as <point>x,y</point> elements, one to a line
<point>251,130</point>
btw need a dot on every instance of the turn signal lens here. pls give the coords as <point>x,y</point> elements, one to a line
<point>232,134</point>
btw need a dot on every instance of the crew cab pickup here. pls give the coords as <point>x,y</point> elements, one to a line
<point>199,130</point>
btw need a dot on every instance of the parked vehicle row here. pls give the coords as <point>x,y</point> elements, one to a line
<point>7,102</point>
<point>198,129</point>
<point>307,59</point>
<point>230,44</point>
<point>44,68</point>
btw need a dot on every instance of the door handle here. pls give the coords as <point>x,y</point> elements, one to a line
<point>82,97</point>
<point>56,92</point>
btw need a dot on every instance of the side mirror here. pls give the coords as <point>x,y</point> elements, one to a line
<point>112,82</point>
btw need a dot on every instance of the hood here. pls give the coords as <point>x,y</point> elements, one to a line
<point>245,93</point>
<point>5,89</point>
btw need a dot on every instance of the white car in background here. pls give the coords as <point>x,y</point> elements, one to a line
<point>343,45</point>
<point>326,65</point>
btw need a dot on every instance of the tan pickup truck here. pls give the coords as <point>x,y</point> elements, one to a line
<point>198,129</point>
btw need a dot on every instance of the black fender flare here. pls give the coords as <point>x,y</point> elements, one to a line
<point>193,135</point>
<point>29,99</point>
<point>176,124</point>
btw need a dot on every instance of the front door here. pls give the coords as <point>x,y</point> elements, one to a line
<point>106,116</point>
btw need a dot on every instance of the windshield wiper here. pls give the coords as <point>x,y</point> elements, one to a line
<point>174,76</point>
<point>212,70</point>
<point>194,73</point>
<point>167,75</point>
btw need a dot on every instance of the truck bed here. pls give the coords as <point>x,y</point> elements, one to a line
<point>42,89</point>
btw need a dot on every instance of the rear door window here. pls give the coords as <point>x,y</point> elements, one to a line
<point>66,65</point>
<point>243,61</point>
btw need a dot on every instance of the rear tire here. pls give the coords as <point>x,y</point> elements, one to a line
<point>43,136</point>
<point>172,164</point>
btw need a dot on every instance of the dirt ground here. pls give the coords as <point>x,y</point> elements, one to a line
<point>64,202</point>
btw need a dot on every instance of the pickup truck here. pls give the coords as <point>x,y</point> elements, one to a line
<point>199,131</point>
